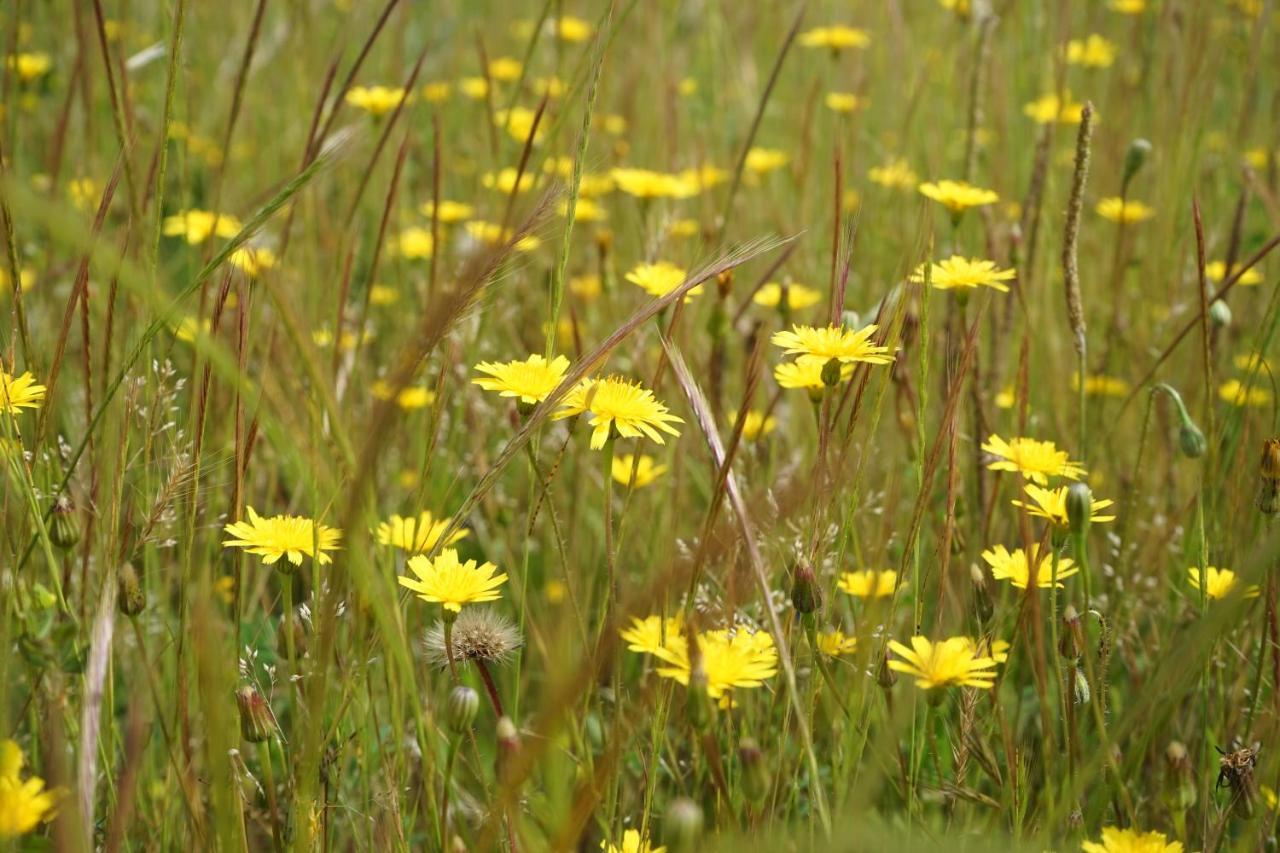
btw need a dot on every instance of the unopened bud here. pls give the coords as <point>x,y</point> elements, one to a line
<point>682,825</point>
<point>1079,508</point>
<point>755,776</point>
<point>831,373</point>
<point>130,598</point>
<point>806,595</point>
<point>1081,688</point>
<point>697,700</point>
<point>885,676</point>
<point>1139,150</point>
<point>1269,471</point>
<point>1220,313</point>
<point>508,744</point>
<point>1191,440</point>
<point>256,720</point>
<point>1071,642</point>
<point>461,709</point>
<point>64,531</point>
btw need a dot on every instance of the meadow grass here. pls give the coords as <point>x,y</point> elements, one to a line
<point>604,424</point>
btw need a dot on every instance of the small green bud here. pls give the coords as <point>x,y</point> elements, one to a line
<point>1139,150</point>
<point>130,597</point>
<point>682,825</point>
<point>256,720</point>
<point>1220,313</point>
<point>755,775</point>
<point>831,373</point>
<point>1081,688</point>
<point>697,700</point>
<point>1191,440</point>
<point>64,532</point>
<point>806,594</point>
<point>508,739</point>
<point>461,709</point>
<point>885,676</point>
<point>1079,508</point>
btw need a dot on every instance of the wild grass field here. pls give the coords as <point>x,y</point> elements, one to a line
<point>633,425</point>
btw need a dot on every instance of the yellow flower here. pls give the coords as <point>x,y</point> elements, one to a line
<point>997,650</point>
<point>645,183</point>
<point>504,180</point>
<point>684,228</point>
<point>762,160</point>
<point>837,37</point>
<point>1036,460</point>
<point>83,193</point>
<point>618,407</point>
<point>586,210</point>
<point>943,664</point>
<point>653,634</point>
<point>1092,52</point>
<point>687,86</point>
<point>252,260</point>
<point>1051,504</point>
<point>1049,108</point>
<point>703,177</point>
<point>586,286</point>
<point>375,100</point>
<point>414,243</point>
<point>962,8</point>
<point>410,397</point>
<point>23,804</point>
<point>189,327</point>
<point>451,582</point>
<point>631,843</point>
<point>450,211</point>
<point>416,535</point>
<point>1099,385</point>
<point>1238,393</point>
<point>1119,210</point>
<point>1114,839</point>
<point>1128,7</point>
<point>958,272</point>
<point>799,296</point>
<point>20,392</point>
<point>475,88</point>
<point>279,536</point>
<point>30,66</point>
<point>518,122</point>
<point>835,643</point>
<point>958,196</point>
<point>823,344</point>
<point>26,279</point>
<point>198,226</point>
<point>382,294</point>
<point>1222,582</point>
<point>493,233</point>
<point>505,69</point>
<point>843,102</point>
<point>659,279</point>
<point>806,374</point>
<point>530,380</point>
<point>736,658</point>
<point>1251,361</point>
<point>756,425</point>
<point>1016,567</point>
<point>573,29</point>
<point>1216,271</point>
<point>895,174</point>
<point>868,583</point>
<point>436,91</point>
<point>1005,398</point>
<point>646,471</point>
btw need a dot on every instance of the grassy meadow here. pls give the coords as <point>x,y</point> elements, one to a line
<point>633,425</point>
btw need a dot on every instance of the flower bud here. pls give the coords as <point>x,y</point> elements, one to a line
<point>885,676</point>
<point>831,373</point>
<point>1079,508</point>
<point>1269,471</point>
<point>1081,688</point>
<point>64,532</point>
<point>130,598</point>
<point>1220,313</point>
<point>981,594</point>
<point>697,700</point>
<point>1191,440</point>
<point>256,719</point>
<point>682,825</point>
<point>806,595</point>
<point>1071,641</point>
<point>1139,150</point>
<point>508,739</point>
<point>461,709</point>
<point>755,776</point>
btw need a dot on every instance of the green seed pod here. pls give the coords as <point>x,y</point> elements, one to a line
<point>806,594</point>
<point>64,532</point>
<point>130,597</point>
<point>1191,440</point>
<point>256,720</point>
<point>1079,508</point>
<point>461,709</point>
<point>682,825</point>
<point>1139,150</point>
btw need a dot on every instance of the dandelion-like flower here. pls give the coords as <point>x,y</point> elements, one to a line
<point>197,226</point>
<point>652,634</point>
<point>1051,504</point>
<point>19,392</point>
<point>377,101</point>
<point>961,273</point>
<point>799,296</point>
<point>1049,108</point>
<point>452,583</point>
<point>837,37</point>
<point>416,534</point>
<point>30,66</point>
<point>764,160</point>
<point>843,102</point>
<point>530,380</point>
<point>984,647</point>
<point>408,398</point>
<point>1099,385</point>
<point>288,536</point>
<point>1092,52</point>
<point>1239,393</point>
<point>958,196</point>
<point>868,583</point>
<point>660,278</point>
<point>820,345</point>
<point>895,174</point>
<point>621,407</point>
<point>1219,582</point>
<point>732,659</point>
<point>1016,567</point>
<point>252,260</point>
<point>1036,460</point>
<point>756,425</point>
<point>479,634</point>
<point>646,470</point>
<point>451,212</point>
<point>24,804</point>
<point>835,643</point>
<point>1124,210</point>
<point>631,843</point>
<point>1116,840</point>
<point>946,663</point>
<point>1216,271</point>
<point>806,375</point>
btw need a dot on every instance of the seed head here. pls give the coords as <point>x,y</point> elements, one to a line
<point>478,634</point>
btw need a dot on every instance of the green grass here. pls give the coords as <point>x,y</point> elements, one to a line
<point>182,390</point>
